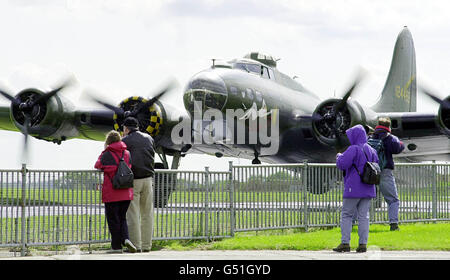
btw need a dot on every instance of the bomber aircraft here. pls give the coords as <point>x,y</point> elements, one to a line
<point>303,127</point>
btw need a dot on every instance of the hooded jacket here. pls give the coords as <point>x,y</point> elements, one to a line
<point>392,145</point>
<point>353,186</point>
<point>108,163</point>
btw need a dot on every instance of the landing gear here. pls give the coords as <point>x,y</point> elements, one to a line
<point>165,183</point>
<point>256,160</point>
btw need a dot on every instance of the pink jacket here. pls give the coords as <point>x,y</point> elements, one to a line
<point>108,163</point>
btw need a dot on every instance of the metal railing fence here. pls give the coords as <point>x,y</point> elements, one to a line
<point>310,195</point>
<point>61,207</point>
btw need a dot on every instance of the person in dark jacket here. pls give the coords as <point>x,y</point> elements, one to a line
<point>140,212</point>
<point>116,201</point>
<point>357,195</point>
<point>392,145</point>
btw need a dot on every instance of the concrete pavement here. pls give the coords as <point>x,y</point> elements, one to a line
<point>374,253</point>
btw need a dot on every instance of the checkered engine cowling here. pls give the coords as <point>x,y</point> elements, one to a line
<point>150,120</point>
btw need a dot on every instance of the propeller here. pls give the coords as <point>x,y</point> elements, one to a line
<point>332,116</point>
<point>122,114</point>
<point>13,100</point>
<point>444,108</point>
<point>445,103</point>
<point>117,110</point>
<point>29,108</point>
<point>138,109</point>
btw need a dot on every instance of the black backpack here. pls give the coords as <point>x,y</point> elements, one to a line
<point>371,173</point>
<point>123,179</point>
<point>378,145</point>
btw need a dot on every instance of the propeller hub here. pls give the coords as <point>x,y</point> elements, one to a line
<point>330,123</point>
<point>150,118</point>
<point>126,114</point>
<point>26,107</point>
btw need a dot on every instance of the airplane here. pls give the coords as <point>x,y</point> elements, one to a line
<point>309,128</point>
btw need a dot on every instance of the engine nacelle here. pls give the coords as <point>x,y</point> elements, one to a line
<point>444,116</point>
<point>150,120</point>
<point>45,119</point>
<point>328,125</point>
<point>153,120</point>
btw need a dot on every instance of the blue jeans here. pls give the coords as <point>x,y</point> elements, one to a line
<point>361,207</point>
<point>389,191</point>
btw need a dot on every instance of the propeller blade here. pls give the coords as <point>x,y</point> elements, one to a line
<point>117,110</point>
<point>348,93</point>
<point>444,103</point>
<point>11,98</point>
<point>44,98</point>
<point>149,103</point>
<point>314,117</point>
<point>26,127</point>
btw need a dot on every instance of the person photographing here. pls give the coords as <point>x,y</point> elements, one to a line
<point>386,144</point>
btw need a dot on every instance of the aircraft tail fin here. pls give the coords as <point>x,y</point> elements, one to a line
<point>400,90</point>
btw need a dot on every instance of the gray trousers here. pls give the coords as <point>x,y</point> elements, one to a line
<point>389,191</point>
<point>361,207</point>
<point>140,214</point>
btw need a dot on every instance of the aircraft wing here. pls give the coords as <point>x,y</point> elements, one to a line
<point>423,135</point>
<point>57,119</point>
<point>5,119</point>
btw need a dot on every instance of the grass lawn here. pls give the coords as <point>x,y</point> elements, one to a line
<point>419,236</point>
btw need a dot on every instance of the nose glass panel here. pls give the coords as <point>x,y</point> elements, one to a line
<point>208,89</point>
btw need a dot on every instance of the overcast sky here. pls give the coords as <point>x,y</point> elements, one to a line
<point>125,48</point>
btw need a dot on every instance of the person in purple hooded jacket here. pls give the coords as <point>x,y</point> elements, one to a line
<point>357,195</point>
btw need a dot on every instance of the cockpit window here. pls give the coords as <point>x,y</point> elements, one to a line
<point>253,68</point>
<point>265,73</point>
<point>208,89</point>
<point>258,97</point>
<point>233,90</point>
<point>250,93</point>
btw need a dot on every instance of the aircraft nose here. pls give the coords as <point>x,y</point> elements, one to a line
<point>208,88</point>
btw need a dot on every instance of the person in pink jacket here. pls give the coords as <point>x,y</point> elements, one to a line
<point>116,201</point>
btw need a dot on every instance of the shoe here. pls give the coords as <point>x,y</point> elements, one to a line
<point>342,248</point>
<point>131,248</point>
<point>362,248</point>
<point>145,250</point>
<point>394,227</point>
<point>114,251</point>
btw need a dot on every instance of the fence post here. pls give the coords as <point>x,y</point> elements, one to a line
<point>207,203</point>
<point>90,234</point>
<point>434,192</point>
<point>305,194</point>
<point>22,204</point>
<point>232,206</point>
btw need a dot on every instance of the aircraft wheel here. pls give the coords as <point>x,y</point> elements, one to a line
<point>256,161</point>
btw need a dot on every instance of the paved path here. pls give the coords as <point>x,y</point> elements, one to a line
<point>73,253</point>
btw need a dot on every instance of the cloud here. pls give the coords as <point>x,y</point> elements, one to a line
<point>123,48</point>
